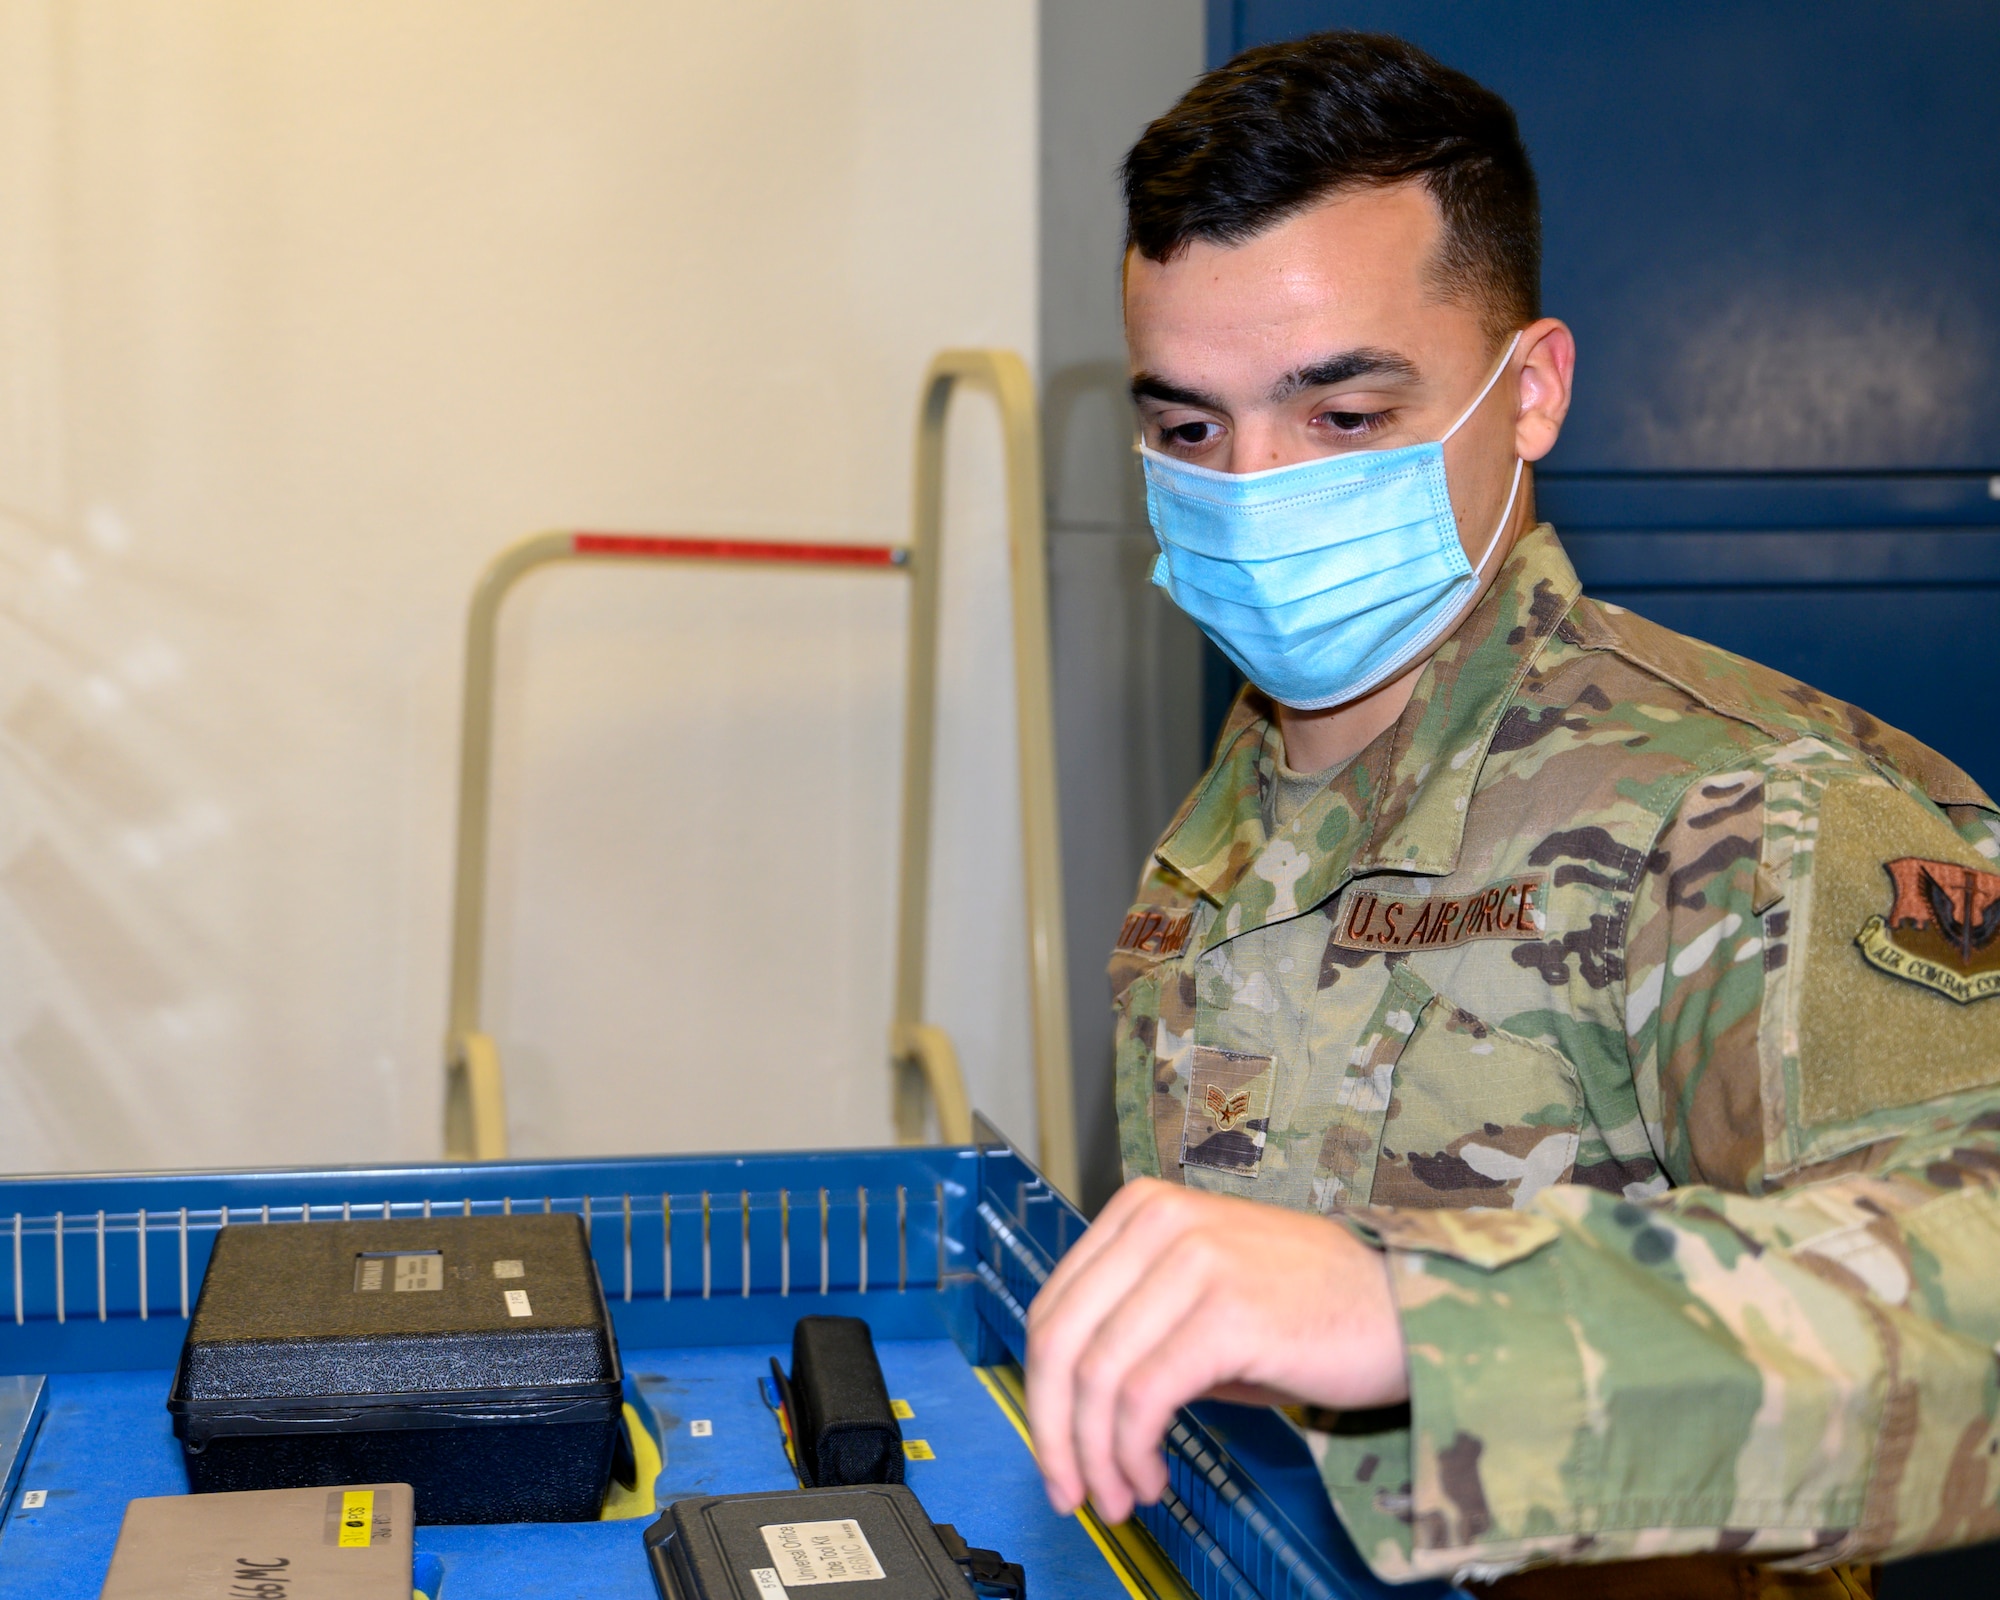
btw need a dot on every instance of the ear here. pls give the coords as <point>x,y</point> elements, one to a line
<point>1548,363</point>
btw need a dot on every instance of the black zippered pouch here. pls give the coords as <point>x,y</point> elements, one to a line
<point>843,1427</point>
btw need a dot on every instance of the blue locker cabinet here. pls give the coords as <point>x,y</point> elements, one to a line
<point>1774,225</point>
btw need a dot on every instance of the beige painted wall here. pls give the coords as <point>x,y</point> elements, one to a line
<point>305,308</point>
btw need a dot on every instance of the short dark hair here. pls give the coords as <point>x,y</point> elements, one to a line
<point>1285,125</point>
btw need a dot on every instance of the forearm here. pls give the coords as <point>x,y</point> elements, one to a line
<point>1808,1375</point>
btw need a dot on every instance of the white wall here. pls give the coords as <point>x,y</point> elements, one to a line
<point>305,308</point>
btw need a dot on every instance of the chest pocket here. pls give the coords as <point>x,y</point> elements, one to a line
<point>1326,1111</point>
<point>1478,1116</point>
<point>1340,1108</point>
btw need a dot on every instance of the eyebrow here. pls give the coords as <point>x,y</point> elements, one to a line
<point>1364,362</point>
<point>1150,386</point>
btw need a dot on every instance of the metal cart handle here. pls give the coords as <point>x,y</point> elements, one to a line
<point>925,1063</point>
<point>475,1109</point>
<point>1005,375</point>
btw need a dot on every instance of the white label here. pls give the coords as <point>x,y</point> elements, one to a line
<point>766,1579</point>
<point>419,1273</point>
<point>34,1499</point>
<point>701,1427</point>
<point>820,1552</point>
<point>509,1269</point>
<point>403,1272</point>
<point>517,1303</point>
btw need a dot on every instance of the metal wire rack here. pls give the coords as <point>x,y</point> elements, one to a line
<point>103,1264</point>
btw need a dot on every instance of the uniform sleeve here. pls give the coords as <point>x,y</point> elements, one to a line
<point>1790,1356</point>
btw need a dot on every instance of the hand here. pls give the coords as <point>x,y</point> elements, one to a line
<point>1174,1294</point>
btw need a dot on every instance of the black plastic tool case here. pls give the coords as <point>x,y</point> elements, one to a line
<point>725,1546</point>
<point>469,1357</point>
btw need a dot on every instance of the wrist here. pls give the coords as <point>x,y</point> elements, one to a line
<point>1388,1356</point>
<point>1358,1358</point>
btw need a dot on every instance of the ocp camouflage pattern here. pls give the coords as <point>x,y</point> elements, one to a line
<point>1554,992</point>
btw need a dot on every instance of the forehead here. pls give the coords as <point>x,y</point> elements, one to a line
<point>1353,268</point>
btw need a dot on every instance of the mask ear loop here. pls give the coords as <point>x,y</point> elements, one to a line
<point>1479,399</point>
<point>1506,516</point>
<point>1513,489</point>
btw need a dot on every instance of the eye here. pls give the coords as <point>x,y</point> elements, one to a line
<point>1189,435</point>
<point>1353,424</point>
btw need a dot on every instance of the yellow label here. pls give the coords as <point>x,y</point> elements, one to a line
<point>919,1450</point>
<point>357,1518</point>
<point>900,1410</point>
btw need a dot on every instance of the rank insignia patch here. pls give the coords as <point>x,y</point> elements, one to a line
<point>1943,931</point>
<point>1228,1111</point>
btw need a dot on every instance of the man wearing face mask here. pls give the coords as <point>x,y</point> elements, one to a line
<point>1563,1049</point>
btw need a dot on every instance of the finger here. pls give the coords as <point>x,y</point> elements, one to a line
<point>1188,1362</point>
<point>1252,1394</point>
<point>1099,1237</point>
<point>1090,1293</point>
<point>1058,1336</point>
<point>1048,1428</point>
<point>1055,1344</point>
<point>1155,1310</point>
<point>1147,1228</point>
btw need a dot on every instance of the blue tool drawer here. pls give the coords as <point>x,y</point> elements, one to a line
<point>706,1262</point>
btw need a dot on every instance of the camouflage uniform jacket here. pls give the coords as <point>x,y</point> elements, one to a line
<point>1633,997</point>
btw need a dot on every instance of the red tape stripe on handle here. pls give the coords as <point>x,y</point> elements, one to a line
<point>675,547</point>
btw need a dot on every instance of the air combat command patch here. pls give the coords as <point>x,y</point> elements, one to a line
<point>1943,931</point>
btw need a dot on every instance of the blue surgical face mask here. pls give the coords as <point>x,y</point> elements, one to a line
<point>1325,579</point>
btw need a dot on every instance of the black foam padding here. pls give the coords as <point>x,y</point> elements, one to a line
<point>711,1547</point>
<point>843,1429</point>
<point>531,1472</point>
<point>293,1376</point>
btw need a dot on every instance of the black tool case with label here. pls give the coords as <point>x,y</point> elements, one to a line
<point>469,1357</point>
<point>725,1546</point>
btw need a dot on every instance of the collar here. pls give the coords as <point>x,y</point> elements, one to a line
<point>1401,804</point>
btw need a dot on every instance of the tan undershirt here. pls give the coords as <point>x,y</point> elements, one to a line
<point>1291,792</point>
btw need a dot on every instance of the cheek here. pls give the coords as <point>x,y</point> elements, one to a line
<point>1480,477</point>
